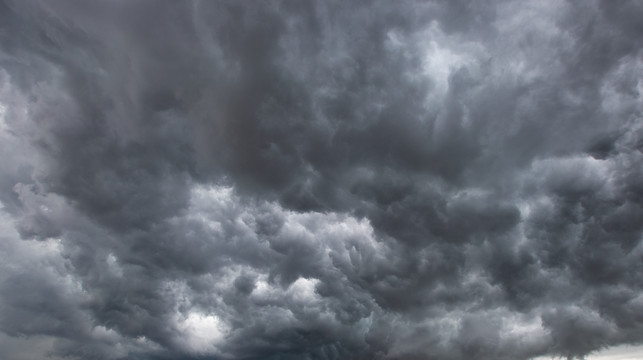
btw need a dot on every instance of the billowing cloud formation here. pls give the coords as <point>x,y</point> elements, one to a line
<point>320,180</point>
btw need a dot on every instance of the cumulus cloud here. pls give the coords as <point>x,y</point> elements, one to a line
<point>320,180</point>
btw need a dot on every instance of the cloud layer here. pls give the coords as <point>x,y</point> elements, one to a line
<point>320,180</point>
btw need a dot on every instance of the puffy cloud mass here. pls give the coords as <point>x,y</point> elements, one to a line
<point>320,180</point>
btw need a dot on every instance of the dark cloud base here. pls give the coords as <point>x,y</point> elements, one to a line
<point>321,180</point>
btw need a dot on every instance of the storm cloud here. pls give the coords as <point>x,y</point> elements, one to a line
<point>320,180</point>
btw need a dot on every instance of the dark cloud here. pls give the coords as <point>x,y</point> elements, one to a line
<point>288,180</point>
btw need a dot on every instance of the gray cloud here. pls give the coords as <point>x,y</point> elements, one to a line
<point>287,180</point>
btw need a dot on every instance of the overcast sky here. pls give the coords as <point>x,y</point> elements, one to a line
<point>354,180</point>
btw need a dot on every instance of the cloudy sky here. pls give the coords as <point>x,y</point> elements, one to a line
<point>355,180</point>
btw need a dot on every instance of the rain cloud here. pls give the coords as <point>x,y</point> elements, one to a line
<point>283,180</point>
